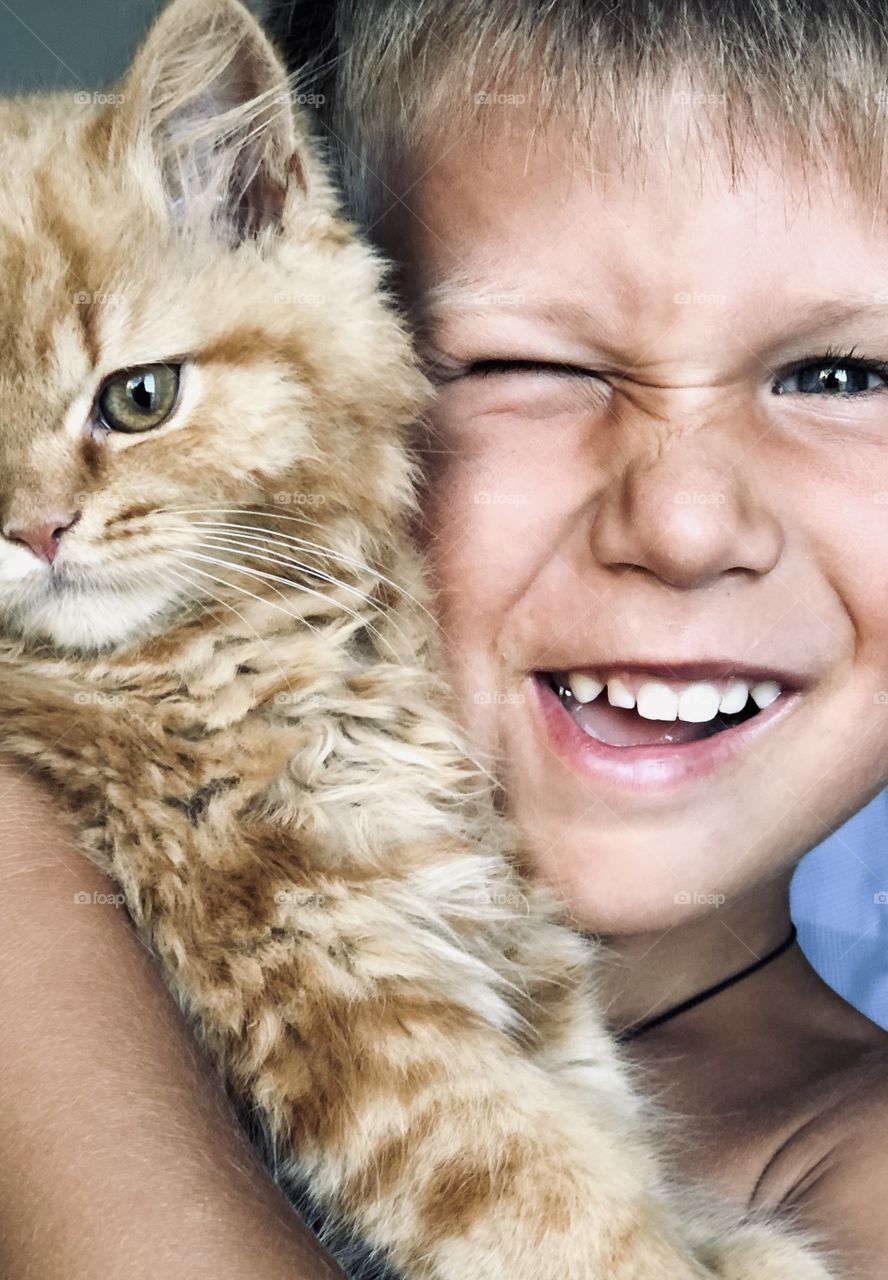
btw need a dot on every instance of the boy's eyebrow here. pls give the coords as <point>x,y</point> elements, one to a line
<point>836,311</point>
<point>448,296</point>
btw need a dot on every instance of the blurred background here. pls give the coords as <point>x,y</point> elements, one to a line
<point>57,44</point>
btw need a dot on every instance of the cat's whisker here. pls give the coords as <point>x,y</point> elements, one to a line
<point>239,550</point>
<point>241,544</point>
<point>234,586</point>
<point>259,574</point>
<point>277,516</point>
<point>306,543</point>
<point>201,590</point>
<point>487,770</point>
<point>244,511</point>
<point>292,583</point>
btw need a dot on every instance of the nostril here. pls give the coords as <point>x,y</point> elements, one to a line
<point>43,537</point>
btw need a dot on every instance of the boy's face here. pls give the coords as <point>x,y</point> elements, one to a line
<point>700,496</point>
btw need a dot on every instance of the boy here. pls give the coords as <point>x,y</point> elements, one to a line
<point>643,252</point>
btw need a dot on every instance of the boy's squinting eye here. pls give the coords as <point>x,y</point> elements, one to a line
<point>522,387</point>
<point>834,374</point>
<point>140,399</point>
<point>485,368</point>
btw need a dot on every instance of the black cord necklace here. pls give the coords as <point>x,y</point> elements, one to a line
<point>639,1028</point>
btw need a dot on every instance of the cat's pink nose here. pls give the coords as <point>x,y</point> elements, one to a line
<point>44,537</point>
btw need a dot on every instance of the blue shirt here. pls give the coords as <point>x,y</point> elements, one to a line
<point>839,902</point>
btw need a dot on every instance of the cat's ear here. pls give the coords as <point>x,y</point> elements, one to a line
<point>207,105</point>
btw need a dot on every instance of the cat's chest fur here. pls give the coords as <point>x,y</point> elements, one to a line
<point>211,731</point>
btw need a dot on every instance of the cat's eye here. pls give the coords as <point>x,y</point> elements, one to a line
<point>140,399</point>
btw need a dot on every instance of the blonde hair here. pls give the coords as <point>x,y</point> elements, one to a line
<point>808,75</point>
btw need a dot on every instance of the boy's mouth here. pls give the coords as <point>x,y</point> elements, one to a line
<point>645,708</point>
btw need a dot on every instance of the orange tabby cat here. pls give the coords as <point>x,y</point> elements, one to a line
<point>215,643</point>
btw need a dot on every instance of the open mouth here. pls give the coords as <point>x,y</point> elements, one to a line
<point>623,709</point>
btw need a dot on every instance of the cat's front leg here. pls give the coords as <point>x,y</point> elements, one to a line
<point>762,1250</point>
<point>573,1045</point>
<point>370,1046</point>
<point>458,1158</point>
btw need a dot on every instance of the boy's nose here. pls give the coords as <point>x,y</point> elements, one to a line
<point>44,536</point>
<point>688,526</point>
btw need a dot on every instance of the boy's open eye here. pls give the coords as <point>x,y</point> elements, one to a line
<point>140,399</point>
<point>834,375</point>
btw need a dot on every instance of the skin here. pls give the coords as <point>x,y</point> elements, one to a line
<point>559,539</point>
<point>118,1151</point>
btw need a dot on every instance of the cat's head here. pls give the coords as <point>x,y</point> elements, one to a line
<point>189,332</point>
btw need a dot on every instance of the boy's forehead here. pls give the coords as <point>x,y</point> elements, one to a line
<point>528,229</point>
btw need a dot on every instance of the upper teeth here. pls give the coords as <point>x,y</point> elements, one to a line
<point>657,700</point>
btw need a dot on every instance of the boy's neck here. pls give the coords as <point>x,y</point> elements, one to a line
<point>647,974</point>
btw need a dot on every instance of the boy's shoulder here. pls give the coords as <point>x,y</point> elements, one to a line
<point>847,1100</point>
<point>853,1097</point>
<point>835,1162</point>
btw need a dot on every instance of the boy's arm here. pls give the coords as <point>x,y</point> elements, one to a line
<point>119,1154</point>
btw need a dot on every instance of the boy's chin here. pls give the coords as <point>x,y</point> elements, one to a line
<point>625,889</point>
<point>607,916</point>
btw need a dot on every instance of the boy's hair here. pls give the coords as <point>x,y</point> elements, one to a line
<point>397,75</point>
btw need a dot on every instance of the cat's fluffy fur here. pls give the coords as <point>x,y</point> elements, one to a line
<point>228,676</point>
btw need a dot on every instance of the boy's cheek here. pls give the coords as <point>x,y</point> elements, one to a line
<point>848,538</point>
<point>486,531</point>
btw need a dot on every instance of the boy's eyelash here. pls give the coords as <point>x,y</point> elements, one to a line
<point>440,370</point>
<point>484,368</point>
<point>446,372</point>
<point>836,360</point>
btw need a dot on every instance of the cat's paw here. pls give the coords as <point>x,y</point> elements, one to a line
<point>762,1251</point>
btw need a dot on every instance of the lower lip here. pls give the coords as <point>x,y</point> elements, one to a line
<point>650,769</point>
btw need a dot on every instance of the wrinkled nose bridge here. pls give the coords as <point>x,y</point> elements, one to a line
<point>691,456</point>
